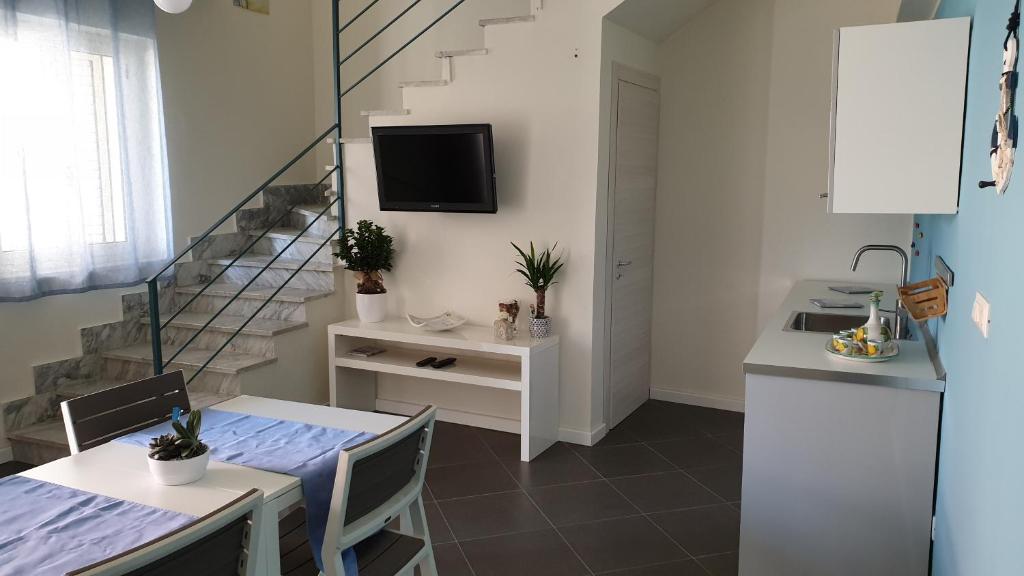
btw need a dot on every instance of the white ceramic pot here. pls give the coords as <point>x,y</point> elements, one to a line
<point>178,472</point>
<point>372,307</point>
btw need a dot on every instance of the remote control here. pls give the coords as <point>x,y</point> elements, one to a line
<point>443,363</point>
<point>426,361</point>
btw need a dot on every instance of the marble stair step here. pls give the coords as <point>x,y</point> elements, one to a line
<point>227,289</point>
<point>290,233</point>
<point>75,388</point>
<point>314,210</point>
<point>261,261</point>
<point>507,20</point>
<point>463,52</point>
<point>51,433</point>
<point>192,358</point>
<point>422,83</point>
<point>228,324</point>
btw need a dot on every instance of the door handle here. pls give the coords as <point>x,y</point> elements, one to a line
<point>623,263</point>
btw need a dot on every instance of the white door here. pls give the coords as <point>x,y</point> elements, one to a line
<point>633,180</point>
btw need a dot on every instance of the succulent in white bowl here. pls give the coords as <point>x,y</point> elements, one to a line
<point>179,458</point>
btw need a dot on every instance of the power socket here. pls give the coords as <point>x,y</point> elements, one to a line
<point>981,314</point>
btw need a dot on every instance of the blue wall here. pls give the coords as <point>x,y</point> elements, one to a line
<point>980,505</point>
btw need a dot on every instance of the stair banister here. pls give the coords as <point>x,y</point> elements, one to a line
<point>379,32</point>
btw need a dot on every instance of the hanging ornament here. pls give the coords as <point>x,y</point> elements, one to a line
<point>1004,132</point>
<point>173,6</point>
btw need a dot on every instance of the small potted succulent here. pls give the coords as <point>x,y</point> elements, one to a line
<point>539,270</point>
<point>368,251</point>
<point>179,458</point>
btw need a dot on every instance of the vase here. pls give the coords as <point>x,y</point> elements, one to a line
<point>372,307</point>
<point>178,472</point>
<point>540,327</point>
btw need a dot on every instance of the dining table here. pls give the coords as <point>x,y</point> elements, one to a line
<point>120,470</point>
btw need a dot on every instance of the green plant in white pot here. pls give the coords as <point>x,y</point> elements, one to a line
<point>368,250</point>
<point>180,458</point>
<point>539,270</point>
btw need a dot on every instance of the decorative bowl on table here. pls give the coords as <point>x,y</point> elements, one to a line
<point>439,323</point>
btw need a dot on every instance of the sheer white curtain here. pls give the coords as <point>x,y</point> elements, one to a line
<point>83,181</point>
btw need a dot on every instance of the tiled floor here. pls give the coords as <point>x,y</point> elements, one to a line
<point>659,495</point>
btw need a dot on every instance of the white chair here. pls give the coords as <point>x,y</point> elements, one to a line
<point>222,543</point>
<point>377,481</point>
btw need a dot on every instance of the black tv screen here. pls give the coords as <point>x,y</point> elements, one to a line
<point>435,168</point>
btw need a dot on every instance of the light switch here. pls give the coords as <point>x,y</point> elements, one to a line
<point>980,313</point>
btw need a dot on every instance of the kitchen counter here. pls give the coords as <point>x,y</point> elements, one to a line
<point>802,354</point>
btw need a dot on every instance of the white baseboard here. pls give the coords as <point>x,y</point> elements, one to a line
<point>582,437</point>
<point>453,416</point>
<point>705,400</point>
<point>490,422</point>
<point>6,454</point>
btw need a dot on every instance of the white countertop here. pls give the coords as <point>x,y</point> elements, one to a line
<point>802,354</point>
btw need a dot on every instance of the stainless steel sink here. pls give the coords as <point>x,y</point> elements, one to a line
<point>824,322</point>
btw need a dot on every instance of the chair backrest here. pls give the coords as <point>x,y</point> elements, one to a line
<point>376,480</point>
<point>99,417</point>
<point>222,543</point>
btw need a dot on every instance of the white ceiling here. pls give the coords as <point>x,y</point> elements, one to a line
<point>656,20</point>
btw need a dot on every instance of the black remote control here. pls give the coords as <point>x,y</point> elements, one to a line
<point>443,363</point>
<point>426,361</point>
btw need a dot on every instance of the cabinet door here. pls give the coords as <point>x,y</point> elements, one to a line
<point>897,117</point>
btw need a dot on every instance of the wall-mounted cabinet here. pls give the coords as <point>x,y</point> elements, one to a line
<point>897,117</point>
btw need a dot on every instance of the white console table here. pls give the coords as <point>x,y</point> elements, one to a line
<point>526,365</point>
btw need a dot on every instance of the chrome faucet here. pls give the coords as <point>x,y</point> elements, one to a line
<point>900,312</point>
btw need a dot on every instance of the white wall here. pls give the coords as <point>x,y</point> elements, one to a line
<point>539,87</point>
<point>237,92</point>
<point>744,142</point>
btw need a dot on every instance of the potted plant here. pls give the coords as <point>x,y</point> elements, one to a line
<point>179,458</point>
<point>539,270</point>
<point>368,251</point>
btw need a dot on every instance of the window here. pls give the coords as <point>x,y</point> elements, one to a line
<point>96,148</point>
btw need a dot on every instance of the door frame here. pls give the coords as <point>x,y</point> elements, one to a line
<point>620,73</point>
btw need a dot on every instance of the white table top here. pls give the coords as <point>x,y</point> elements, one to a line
<point>120,470</point>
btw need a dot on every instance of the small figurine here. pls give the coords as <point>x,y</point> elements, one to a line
<point>503,328</point>
<point>511,308</point>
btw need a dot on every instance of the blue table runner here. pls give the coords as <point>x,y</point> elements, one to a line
<point>46,529</point>
<point>295,448</point>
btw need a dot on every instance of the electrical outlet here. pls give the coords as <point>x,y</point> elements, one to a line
<point>980,314</point>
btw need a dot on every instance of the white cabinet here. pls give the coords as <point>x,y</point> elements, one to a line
<point>897,117</point>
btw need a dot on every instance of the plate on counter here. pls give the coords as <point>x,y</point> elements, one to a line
<point>885,356</point>
<point>439,323</point>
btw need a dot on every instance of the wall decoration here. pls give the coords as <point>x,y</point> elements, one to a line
<point>1004,132</point>
<point>261,6</point>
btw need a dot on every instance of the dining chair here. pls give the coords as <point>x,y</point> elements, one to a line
<point>377,481</point>
<point>99,417</point>
<point>222,543</point>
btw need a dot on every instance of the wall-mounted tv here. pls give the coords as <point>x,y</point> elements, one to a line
<point>446,168</point>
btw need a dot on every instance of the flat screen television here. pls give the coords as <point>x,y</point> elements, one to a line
<point>446,168</point>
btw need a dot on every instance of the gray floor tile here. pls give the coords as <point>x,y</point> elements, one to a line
<point>557,465</point>
<point>439,532</point>
<point>724,480</point>
<point>456,444</point>
<point>696,452</point>
<point>541,553</point>
<point>721,564</point>
<point>502,444</point>
<point>621,543</point>
<point>469,479</point>
<point>664,491</point>
<point>680,568</point>
<point>450,561</point>
<point>701,531</point>
<point>492,515</point>
<point>577,503</point>
<point>732,440</point>
<point>625,460</point>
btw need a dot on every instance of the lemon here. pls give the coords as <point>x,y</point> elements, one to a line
<point>861,336</point>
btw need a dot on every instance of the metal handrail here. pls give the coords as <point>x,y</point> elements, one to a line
<point>250,282</point>
<point>258,310</point>
<point>244,201</point>
<point>156,326</point>
<point>379,32</point>
<point>403,47</point>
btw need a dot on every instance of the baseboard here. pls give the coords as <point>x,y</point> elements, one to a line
<point>705,400</point>
<point>453,416</point>
<point>582,437</point>
<point>6,454</point>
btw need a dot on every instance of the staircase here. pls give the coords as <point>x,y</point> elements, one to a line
<point>240,312</point>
